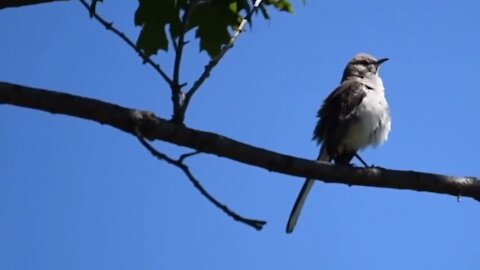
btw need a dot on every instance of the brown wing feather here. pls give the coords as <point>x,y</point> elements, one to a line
<point>335,116</point>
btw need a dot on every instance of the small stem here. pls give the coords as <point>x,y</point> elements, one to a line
<point>214,61</point>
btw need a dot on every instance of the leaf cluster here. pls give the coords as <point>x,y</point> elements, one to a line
<point>164,21</point>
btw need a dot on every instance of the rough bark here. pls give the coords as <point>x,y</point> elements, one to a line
<point>154,128</point>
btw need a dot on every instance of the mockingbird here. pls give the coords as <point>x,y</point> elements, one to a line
<point>354,116</point>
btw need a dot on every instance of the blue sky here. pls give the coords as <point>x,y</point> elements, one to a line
<point>78,195</point>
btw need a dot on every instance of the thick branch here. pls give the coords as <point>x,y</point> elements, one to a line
<point>154,128</point>
<point>21,3</point>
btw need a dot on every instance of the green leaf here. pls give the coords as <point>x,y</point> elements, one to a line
<point>152,38</point>
<point>213,20</point>
<point>281,5</point>
<point>153,16</point>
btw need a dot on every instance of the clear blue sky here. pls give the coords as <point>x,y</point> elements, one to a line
<point>78,195</point>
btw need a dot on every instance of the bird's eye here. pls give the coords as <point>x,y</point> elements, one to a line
<point>372,68</point>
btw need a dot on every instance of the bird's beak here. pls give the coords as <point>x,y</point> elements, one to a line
<point>380,61</point>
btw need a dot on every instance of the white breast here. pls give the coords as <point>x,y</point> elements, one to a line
<point>373,123</point>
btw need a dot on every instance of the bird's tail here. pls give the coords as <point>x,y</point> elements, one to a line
<point>307,186</point>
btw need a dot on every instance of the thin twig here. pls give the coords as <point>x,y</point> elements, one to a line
<point>257,224</point>
<point>187,155</point>
<point>146,59</point>
<point>214,61</point>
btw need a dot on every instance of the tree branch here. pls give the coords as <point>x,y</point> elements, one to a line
<point>214,61</point>
<point>109,26</point>
<point>257,224</point>
<point>21,3</point>
<point>154,128</point>
<point>177,95</point>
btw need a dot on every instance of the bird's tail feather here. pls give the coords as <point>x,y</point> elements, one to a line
<point>307,186</point>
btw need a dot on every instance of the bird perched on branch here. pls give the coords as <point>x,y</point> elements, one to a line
<point>355,115</point>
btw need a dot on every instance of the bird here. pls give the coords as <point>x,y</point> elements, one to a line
<point>353,116</point>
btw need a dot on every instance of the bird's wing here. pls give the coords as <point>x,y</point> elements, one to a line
<point>337,112</point>
<point>335,115</point>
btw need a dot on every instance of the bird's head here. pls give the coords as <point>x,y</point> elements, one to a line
<point>362,65</point>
